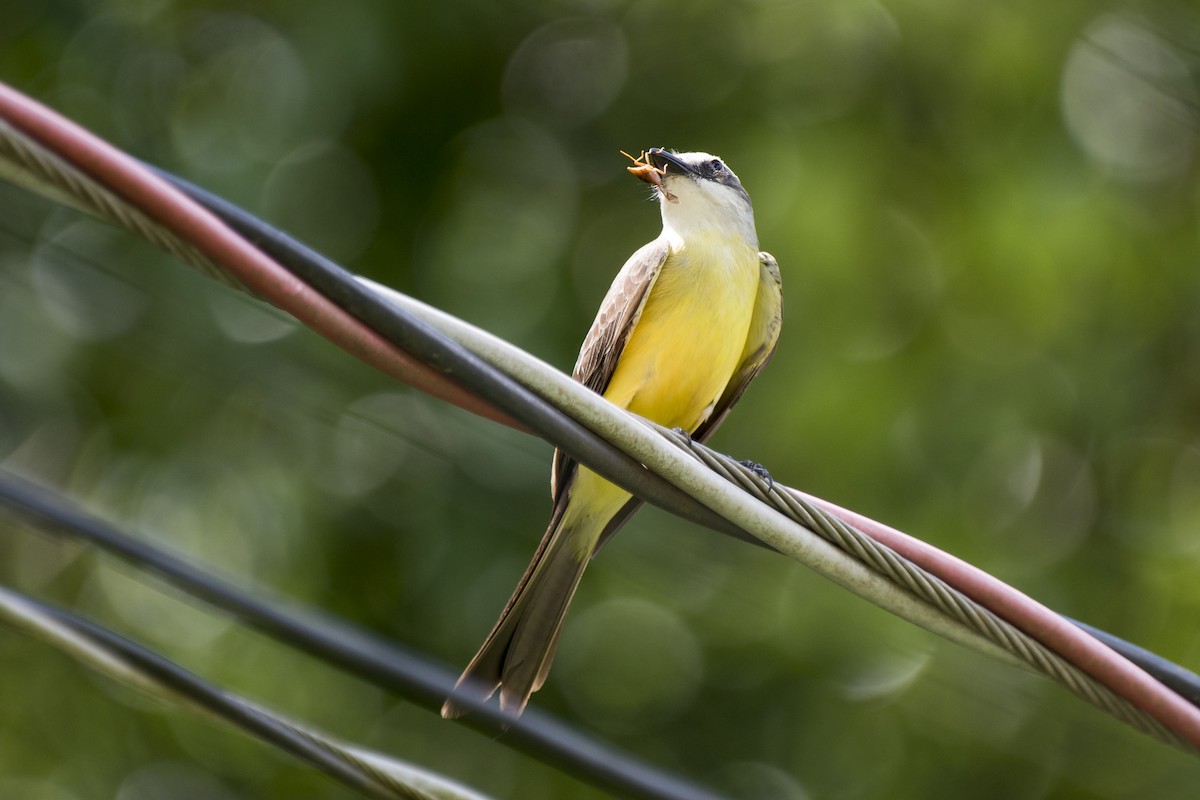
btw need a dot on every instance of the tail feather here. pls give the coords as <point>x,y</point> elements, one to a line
<point>517,654</point>
<point>539,624</point>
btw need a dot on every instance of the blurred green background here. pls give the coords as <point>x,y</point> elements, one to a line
<point>986,217</point>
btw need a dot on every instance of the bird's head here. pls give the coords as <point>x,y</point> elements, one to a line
<point>699,192</point>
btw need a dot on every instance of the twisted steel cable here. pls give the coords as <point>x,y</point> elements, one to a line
<point>37,168</point>
<point>928,587</point>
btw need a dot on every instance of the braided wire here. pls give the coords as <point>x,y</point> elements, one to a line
<point>91,196</point>
<point>345,754</point>
<point>926,587</point>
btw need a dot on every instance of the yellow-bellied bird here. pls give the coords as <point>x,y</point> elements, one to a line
<point>690,319</point>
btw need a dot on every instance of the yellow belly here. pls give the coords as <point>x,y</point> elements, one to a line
<point>675,365</point>
<point>689,339</point>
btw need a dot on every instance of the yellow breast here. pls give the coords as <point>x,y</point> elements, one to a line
<point>689,339</point>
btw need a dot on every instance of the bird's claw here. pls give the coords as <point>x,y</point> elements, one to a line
<point>760,471</point>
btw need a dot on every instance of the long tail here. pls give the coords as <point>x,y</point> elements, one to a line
<point>517,653</point>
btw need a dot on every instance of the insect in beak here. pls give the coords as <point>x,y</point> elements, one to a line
<point>644,170</point>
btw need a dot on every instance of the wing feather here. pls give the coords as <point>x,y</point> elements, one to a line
<point>615,321</point>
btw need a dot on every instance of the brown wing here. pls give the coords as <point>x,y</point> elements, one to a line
<point>761,342</point>
<point>602,348</point>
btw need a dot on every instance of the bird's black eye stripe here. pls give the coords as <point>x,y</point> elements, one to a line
<point>716,166</point>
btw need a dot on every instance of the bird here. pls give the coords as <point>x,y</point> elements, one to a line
<point>689,321</point>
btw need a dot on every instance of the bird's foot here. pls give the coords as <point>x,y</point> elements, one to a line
<point>760,471</point>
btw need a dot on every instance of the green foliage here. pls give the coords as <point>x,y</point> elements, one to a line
<point>986,217</point>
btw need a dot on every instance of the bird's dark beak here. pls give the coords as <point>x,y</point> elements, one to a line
<point>669,161</point>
